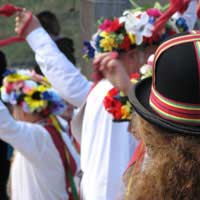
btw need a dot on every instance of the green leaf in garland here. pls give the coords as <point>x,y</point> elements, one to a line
<point>158,6</point>
<point>134,4</point>
<point>119,38</point>
<point>100,21</point>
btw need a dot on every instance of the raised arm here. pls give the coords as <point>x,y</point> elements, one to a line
<point>29,139</point>
<point>190,14</point>
<point>113,70</point>
<point>62,74</point>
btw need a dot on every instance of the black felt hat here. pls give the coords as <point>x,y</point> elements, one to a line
<point>171,98</point>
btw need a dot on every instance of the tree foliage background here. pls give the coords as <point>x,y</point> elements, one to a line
<point>67,11</point>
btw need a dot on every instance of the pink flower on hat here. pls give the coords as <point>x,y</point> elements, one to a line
<point>154,12</point>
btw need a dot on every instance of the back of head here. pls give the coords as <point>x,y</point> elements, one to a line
<point>50,22</point>
<point>171,169</point>
<point>135,29</point>
<point>169,102</point>
<point>32,93</point>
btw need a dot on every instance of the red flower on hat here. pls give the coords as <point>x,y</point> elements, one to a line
<point>152,39</point>
<point>135,76</point>
<point>116,25</point>
<point>9,88</point>
<point>110,25</point>
<point>126,44</point>
<point>154,12</point>
<point>105,25</point>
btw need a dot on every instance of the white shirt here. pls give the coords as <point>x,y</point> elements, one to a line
<point>106,147</point>
<point>37,172</point>
<point>190,14</point>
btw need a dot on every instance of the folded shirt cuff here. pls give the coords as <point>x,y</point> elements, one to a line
<point>38,38</point>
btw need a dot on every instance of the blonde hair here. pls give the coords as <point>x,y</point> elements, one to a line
<point>173,170</point>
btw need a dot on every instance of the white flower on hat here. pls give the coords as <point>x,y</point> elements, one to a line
<point>137,24</point>
<point>146,69</point>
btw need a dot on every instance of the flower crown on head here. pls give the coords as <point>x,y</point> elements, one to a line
<point>20,88</point>
<point>133,28</point>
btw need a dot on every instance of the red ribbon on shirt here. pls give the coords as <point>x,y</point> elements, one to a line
<point>9,10</point>
<point>137,157</point>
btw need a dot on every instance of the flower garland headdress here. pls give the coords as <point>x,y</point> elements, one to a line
<point>20,88</point>
<point>135,28</point>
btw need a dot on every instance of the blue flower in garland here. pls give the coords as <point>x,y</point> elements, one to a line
<point>152,20</point>
<point>58,107</point>
<point>48,96</point>
<point>89,50</point>
<point>181,24</point>
<point>8,72</point>
<point>13,98</point>
<point>97,43</point>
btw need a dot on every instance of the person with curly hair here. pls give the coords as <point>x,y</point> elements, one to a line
<point>167,121</point>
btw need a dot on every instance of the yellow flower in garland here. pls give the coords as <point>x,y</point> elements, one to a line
<point>108,42</point>
<point>126,111</point>
<point>42,88</point>
<point>132,38</point>
<point>35,104</point>
<point>16,77</point>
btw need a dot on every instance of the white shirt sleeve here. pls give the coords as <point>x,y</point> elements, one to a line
<point>190,14</point>
<point>29,139</point>
<point>62,74</point>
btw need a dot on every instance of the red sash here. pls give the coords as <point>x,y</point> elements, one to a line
<point>137,157</point>
<point>69,166</point>
<point>9,10</point>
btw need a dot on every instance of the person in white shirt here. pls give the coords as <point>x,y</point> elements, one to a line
<point>167,120</point>
<point>38,170</point>
<point>106,145</point>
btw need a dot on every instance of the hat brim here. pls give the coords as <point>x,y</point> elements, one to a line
<point>139,97</point>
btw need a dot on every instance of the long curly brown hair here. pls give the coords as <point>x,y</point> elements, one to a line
<point>172,171</point>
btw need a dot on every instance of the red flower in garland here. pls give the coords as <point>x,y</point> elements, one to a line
<point>117,111</point>
<point>135,76</point>
<point>105,25</point>
<point>110,25</point>
<point>109,101</point>
<point>113,105</point>
<point>9,88</point>
<point>126,44</point>
<point>113,92</point>
<point>154,12</point>
<point>117,104</point>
